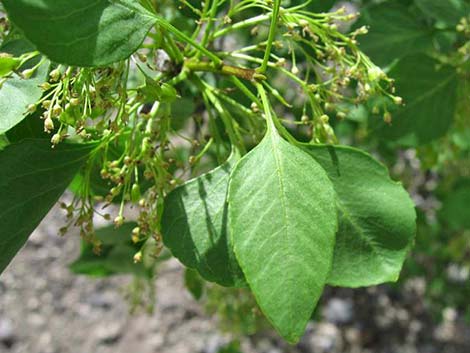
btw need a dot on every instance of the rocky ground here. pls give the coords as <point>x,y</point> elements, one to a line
<point>46,309</point>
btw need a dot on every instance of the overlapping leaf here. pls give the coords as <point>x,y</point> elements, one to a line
<point>17,93</point>
<point>33,177</point>
<point>82,32</point>
<point>194,227</point>
<point>376,218</point>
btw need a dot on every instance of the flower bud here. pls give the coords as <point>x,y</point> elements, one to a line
<point>324,119</point>
<point>375,74</point>
<point>118,221</point>
<point>57,110</point>
<point>48,125</point>
<point>27,74</point>
<point>55,75</point>
<point>46,86</point>
<point>398,100</point>
<point>138,257</point>
<point>31,108</point>
<point>135,193</point>
<point>341,115</point>
<point>387,118</point>
<point>74,101</point>
<point>46,104</point>
<point>56,138</point>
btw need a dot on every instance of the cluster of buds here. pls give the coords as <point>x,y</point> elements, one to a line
<point>342,72</point>
<point>4,26</point>
<point>84,221</point>
<point>464,26</point>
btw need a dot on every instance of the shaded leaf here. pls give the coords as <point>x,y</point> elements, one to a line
<point>377,220</point>
<point>116,256</point>
<point>393,33</point>
<point>194,227</point>
<point>455,207</point>
<point>429,90</point>
<point>194,283</point>
<point>449,12</point>
<point>32,126</point>
<point>33,178</point>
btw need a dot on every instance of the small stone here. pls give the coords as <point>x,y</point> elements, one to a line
<point>7,336</point>
<point>339,311</point>
<point>324,338</point>
<point>109,333</point>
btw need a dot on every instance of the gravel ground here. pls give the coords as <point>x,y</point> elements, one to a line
<point>46,309</point>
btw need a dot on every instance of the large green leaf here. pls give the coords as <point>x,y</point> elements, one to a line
<point>429,91</point>
<point>17,93</point>
<point>393,33</point>
<point>282,220</point>
<point>449,12</point>
<point>82,32</point>
<point>376,218</point>
<point>33,177</point>
<point>194,227</point>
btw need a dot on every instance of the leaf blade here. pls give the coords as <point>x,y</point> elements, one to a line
<point>377,221</point>
<point>33,178</point>
<point>393,33</point>
<point>17,93</point>
<point>430,96</point>
<point>194,227</point>
<point>82,32</point>
<point>285,259</point>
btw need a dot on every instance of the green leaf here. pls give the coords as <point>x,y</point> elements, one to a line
<point>116,257</point>
<point>429,91</point>
<point>17,93</point>
<point>455,207</point>
<point>194,227</point>
<point>33,177</point>
<point>282,220</point>
<point>393,33</point>
<point>376,218</point>
<point>32,126</point>
<point>193,283</point>
<point>8,63</point>
<point>82,32</point>
<point>449,12</point>
<point>3,142</point>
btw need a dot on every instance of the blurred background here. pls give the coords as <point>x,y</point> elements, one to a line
<point>46,307</point>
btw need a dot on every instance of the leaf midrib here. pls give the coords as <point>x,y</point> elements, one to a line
<point>281,183</point>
